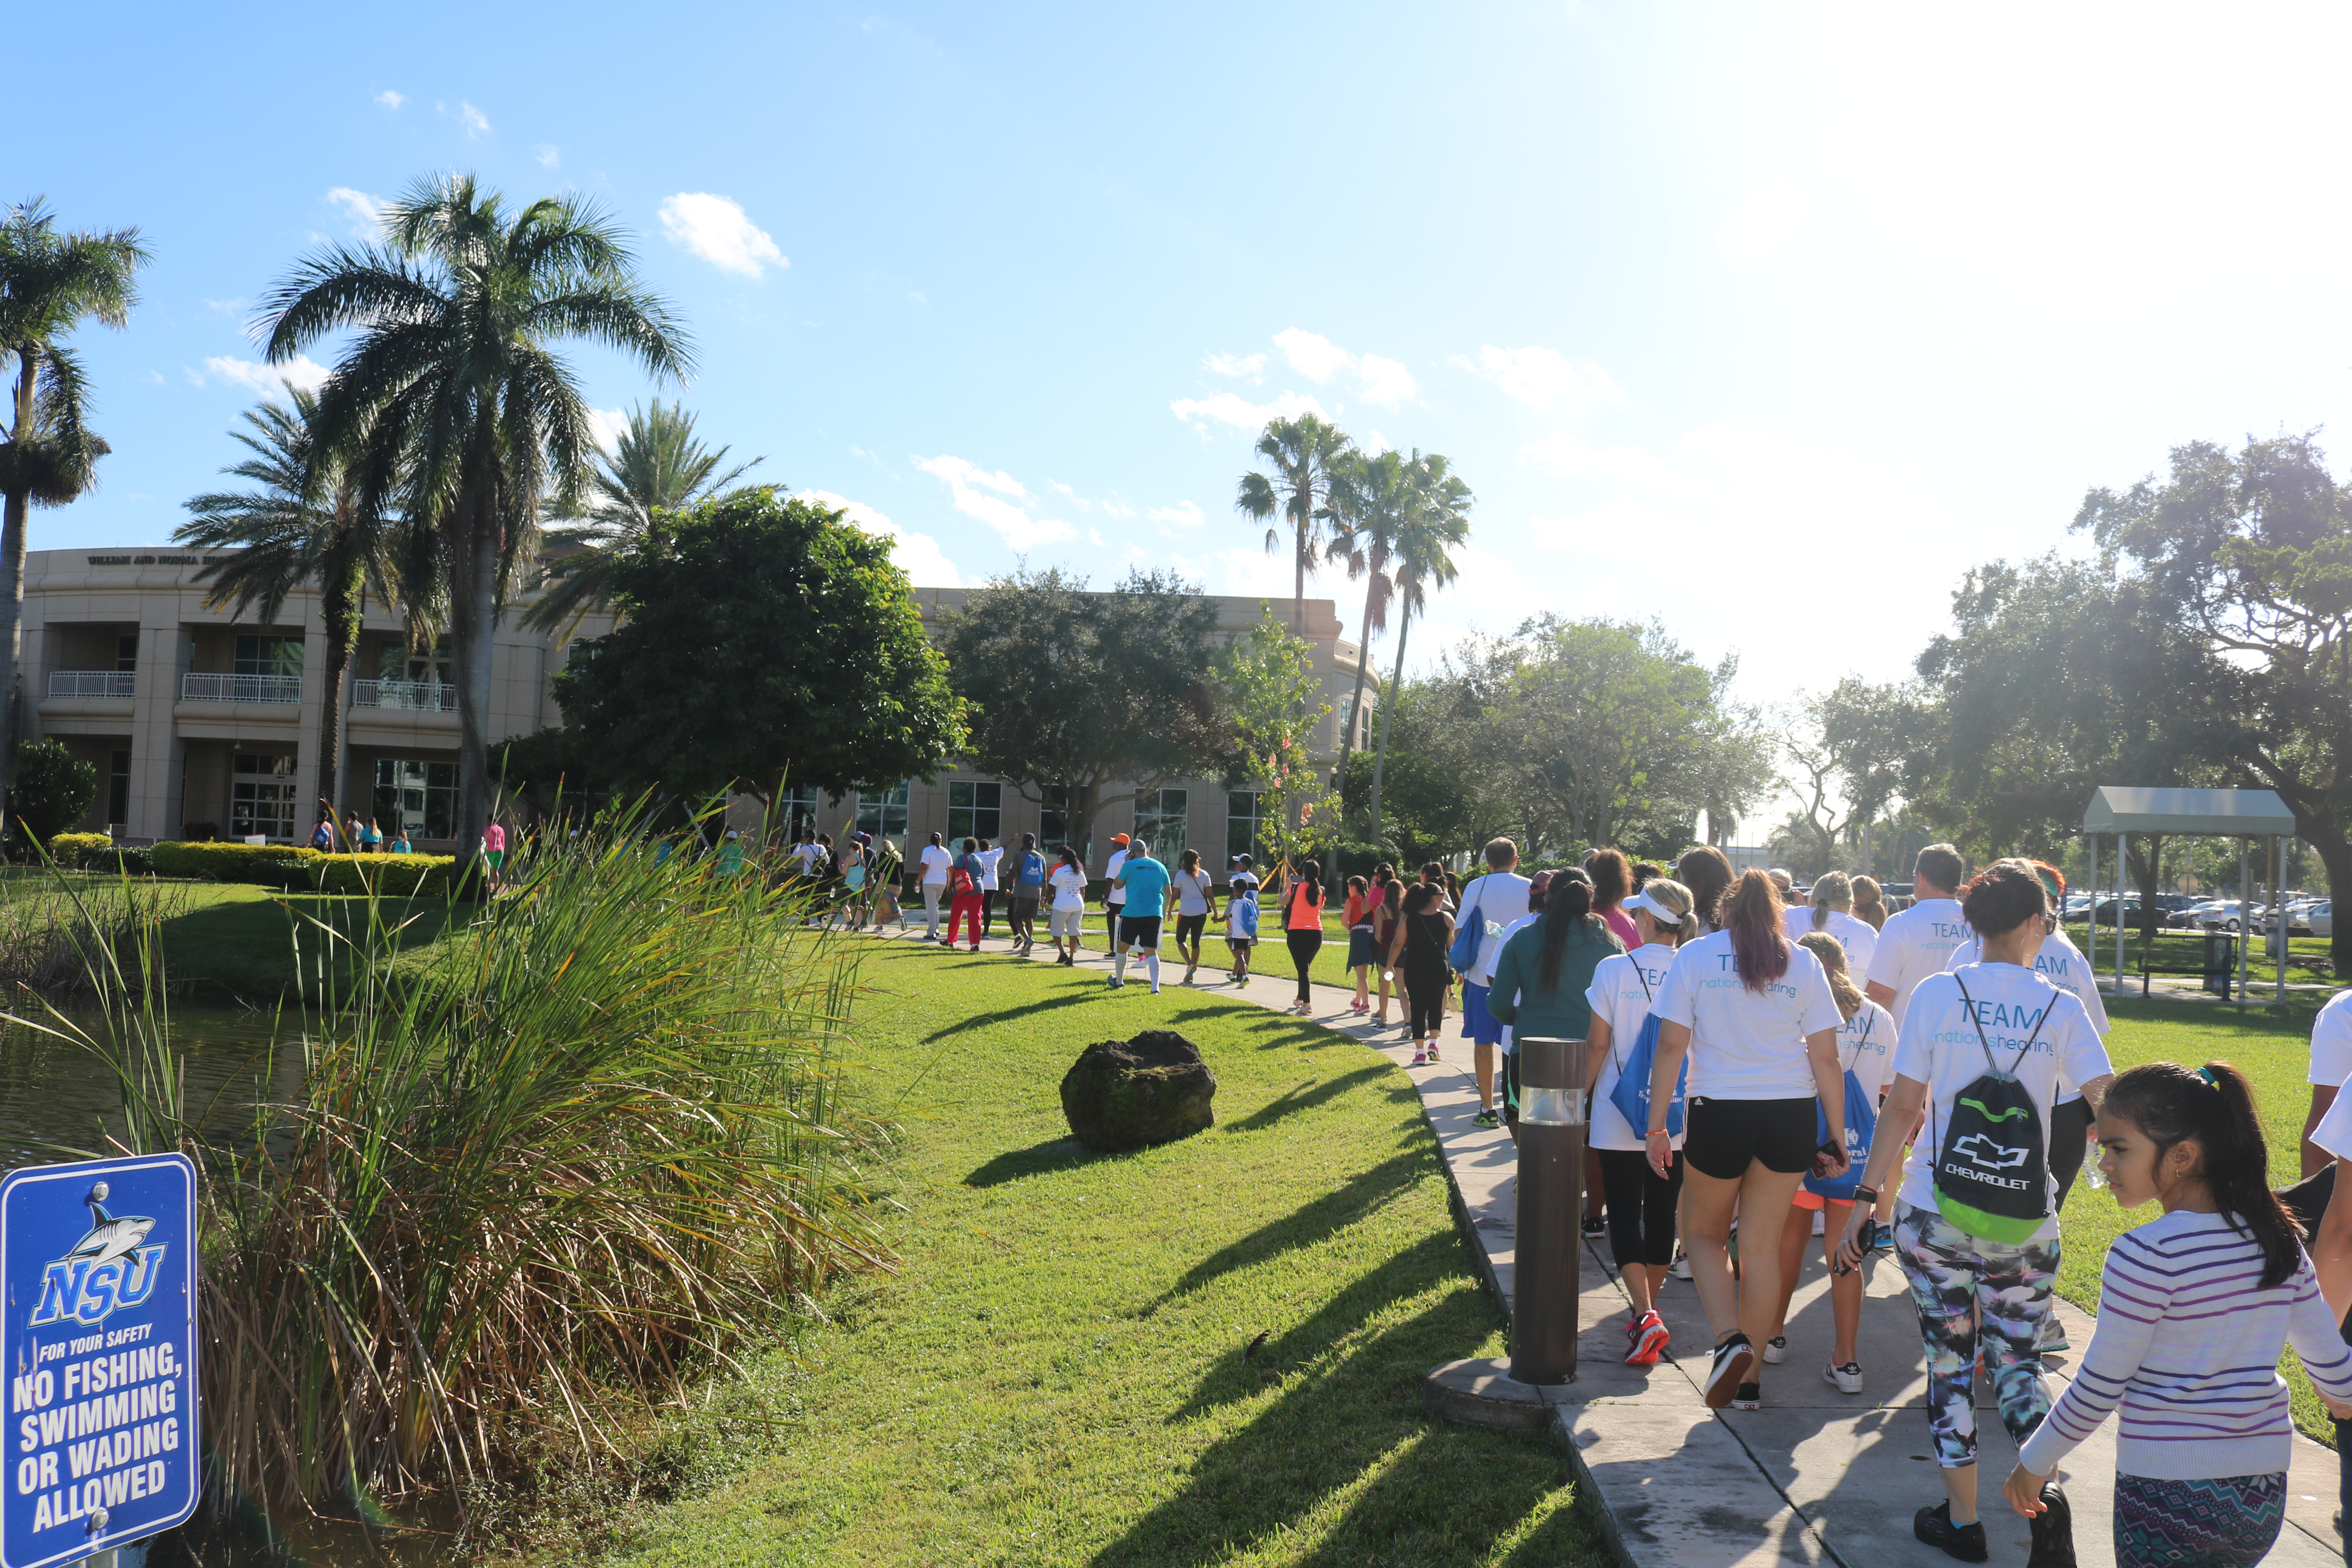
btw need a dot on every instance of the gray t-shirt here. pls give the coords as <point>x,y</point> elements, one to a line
<point>1192,889</point>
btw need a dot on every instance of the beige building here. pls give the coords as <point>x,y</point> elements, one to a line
<point>198,722</point>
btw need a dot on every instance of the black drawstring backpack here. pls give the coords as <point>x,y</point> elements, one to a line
<point>1992,1164</point>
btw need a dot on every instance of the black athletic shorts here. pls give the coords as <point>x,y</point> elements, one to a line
<point>1726,1134</point>
<point>1139,932</point>
<point>1188,929</point>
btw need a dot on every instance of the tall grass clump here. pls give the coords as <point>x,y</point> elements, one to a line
<point>52,925</point>
<point>529,1187</point>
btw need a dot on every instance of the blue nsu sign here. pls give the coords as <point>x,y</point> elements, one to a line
<point>97,1339</point>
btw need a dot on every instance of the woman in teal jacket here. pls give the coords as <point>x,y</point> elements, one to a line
<point>1541,977</point>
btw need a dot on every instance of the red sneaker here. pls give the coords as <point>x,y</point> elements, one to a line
<point>1650,1343</point>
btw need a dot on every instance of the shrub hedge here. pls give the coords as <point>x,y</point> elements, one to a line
<point>282,866</point>
<point>79,849</point>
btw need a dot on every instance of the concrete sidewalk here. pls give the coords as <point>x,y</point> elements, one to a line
<point>1813,1476</point>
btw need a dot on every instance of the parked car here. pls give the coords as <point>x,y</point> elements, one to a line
<point>2106,913</point>
<point>2314,919</point>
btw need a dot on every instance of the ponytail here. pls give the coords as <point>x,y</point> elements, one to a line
<point>1752,913</point>
<point>2170,1102</point>
<point>1568,904</point>
<point>1831,952</point>
<point>1831,890</point>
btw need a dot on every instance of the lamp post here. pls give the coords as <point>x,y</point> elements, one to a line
<point>1546,1245</point>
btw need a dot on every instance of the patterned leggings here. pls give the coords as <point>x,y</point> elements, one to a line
<point>2222,1523</point>
<point>1964,1288</point>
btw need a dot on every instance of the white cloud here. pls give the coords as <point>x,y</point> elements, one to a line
<point>227,307</point>
<point>1374,444</point>
<point>971,485</point>
<point>1384,381</point>
<point>1765,220</point>
<point>716,230</point>
<point>1242,367</point>
<point>365,212</point>
<point>1544,378</point>
<point>1312,354</point>
<point>1094,538</point>
<point>1183,514</point>
<point>390,98</point>
<point>477,123</point>
<point>609,423</point>
<point>269,380</point>
<point>918,554</point>
<point>1232,408</point>
<point>549,156</point>
<point>1254,573</point>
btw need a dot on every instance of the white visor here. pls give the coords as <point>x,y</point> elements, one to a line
<point>1658,912</point>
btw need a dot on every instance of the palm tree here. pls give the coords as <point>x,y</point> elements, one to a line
<point>1303,452</point>
<point>49,283</point>
<point>1370,497</point>
<point>1437,520</point>
<point>658,466</point>
<point>304,524</point>
<point>452,407</point>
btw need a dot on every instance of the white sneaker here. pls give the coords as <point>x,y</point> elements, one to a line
<point>1155,988</point>
<point>1821,1222</point>
<point>1848,1377</point>
<point>1775,1350</point>
<point>1680,1268</point>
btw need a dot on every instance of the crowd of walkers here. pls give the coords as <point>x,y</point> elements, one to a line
<point>1925,1084</point>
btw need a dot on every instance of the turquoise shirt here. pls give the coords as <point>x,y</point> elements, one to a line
<point>1146,881</point>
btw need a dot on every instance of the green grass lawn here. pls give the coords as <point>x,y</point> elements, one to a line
<point>1209,1352</point>
<point>2273,1050</point>
<point>240,938</point>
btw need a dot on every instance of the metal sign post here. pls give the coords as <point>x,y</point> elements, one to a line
<point>99,1263</point>
<point>1546,1245</point>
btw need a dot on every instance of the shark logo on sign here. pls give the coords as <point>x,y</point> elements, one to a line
<point>104,1271</point>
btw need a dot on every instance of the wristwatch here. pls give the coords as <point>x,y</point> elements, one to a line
<point>1865,1195</point>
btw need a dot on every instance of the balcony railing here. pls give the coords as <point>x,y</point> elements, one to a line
<point>194,687</point>
<point>92,683</point>
<point>412,696</point>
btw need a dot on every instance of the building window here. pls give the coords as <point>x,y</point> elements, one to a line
<point>1241,823</point>
<point>975,810</point>
<point>1053,819</point>
<point>126,652</point>
<point>1160,821</point>
<point>796,807</point>
<point>268,655</point>
<point>416,796</point>
<point>261,795</point>
<point>118,790</point>
<point>396,662</point>
<point>883,813</point>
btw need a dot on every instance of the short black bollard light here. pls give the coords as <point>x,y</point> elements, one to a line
<point>1546,1248</point>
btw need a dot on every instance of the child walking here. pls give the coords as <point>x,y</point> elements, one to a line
<point>2194,1306</point>
<point>1241,916</point>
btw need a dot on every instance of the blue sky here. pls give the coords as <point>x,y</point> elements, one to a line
<point>1767,320</point>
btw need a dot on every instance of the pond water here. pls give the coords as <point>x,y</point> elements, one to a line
<point>58,1091</point>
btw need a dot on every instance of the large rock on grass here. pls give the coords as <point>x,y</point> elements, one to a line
<point>1131,1094</point>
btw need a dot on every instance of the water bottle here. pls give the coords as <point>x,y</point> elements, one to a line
<point>2095,1176</point>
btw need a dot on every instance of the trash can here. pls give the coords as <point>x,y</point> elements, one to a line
<point>2220,963</point>
<point>1546,1248</point>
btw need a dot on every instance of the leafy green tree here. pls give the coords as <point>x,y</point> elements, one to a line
<point>1371,497</point>
<point>50,282</point>
<point>1436,522</point>
<point>1439,796</point>
<point>2059,676</point>
<point>53,790</point>
<point>658,465</point>
<point>452,406</point>
<point>1273,700</point>
<point>764,640</point>
<point>1846,746</point>
<point>1304,453</point>
<point>304,523</point>
<point>1073,692</point>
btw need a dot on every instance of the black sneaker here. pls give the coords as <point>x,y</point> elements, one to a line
<point>1595,1226</point>
<point>2053,1531</point>
<point>1734,1359</point>
<point>1489,1117</point>
<point>1750,1397</point>
<point>1934,1527</point>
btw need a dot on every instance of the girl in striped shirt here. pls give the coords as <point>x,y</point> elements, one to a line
<point>2193,1309</point>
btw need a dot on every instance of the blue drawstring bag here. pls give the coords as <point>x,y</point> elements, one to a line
<point>1861,1123</point>
<point>1631,1094</point>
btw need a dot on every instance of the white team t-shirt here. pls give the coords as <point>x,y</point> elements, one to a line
<point>1865,1045</point>
<point>1622,985</point>
<point>1069,884</point>
<point>1746,1045</point>
<point>2331,1041</point>
<point>1116,894</point>
<point>1193,890</point>
<point>1495,901</point>
<point>2333,1132</point>
<point>988,860</point>
<point>1943,1046</point>
<point>936,862</point>
<point>2062,963</point>
<point>1914,945</point>
<point>1853,933</point>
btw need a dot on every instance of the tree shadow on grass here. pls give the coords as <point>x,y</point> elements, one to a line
<point>1443,1495</point>
<point>1304,1227</point>
<point>1053,1155</point>
<point>1009,1015</point>
<point>1307,1094</point>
